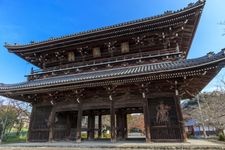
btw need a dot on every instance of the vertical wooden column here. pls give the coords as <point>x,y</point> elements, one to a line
<point>146,120</point>
<point>99,126</point>
<point>79,119</point>
<point>180,119</point>
<point>146,114</point>
<point>68,125</point>
<point>78,93</point>
<point>50,125</point>
<point>110,90</point>
<point>112,120</point>
<point>179,113</point>
<point>31,122</point>
<point>119,125</point>
<point>92,136</point>
<point>125,133</point>
<point>91,126</point>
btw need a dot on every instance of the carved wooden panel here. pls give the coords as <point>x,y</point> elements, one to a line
<point>163,119</point>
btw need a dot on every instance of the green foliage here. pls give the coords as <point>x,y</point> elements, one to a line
<point>14,116</point>
<point>221,137</point>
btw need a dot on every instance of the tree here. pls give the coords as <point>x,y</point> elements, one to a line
<point>212,109</point>
<point>136,121</point>
<point>12,114</point>
<point>7,119</point>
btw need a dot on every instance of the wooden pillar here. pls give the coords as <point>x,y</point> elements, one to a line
<point>180,119</point>
<point>31,122</point>
<point>110,90</point>
<point>112,120</point>
<point>50,125</point>
<point>68,126</point>
<point>119,125</point>
<point>146,118</point>
<point>99,126</point>
<point>79,119</point>
<point>125,132</point>
<point>91,126</point>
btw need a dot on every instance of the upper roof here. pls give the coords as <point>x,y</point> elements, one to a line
<point>168,16</point>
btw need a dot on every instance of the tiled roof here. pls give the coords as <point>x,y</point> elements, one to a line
<point>199,3</point>
<point>118,73</point>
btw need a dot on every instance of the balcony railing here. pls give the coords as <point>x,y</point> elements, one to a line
<point>53,71</point>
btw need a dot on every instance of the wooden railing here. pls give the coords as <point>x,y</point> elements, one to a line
<point>54,71</point>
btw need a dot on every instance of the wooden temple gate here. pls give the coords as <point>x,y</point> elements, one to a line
<point>61,120</point>
<point>134,67</point>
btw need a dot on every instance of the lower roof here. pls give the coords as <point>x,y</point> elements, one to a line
<point>117,73</point>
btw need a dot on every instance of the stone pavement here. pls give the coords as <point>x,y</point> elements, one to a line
<point>103,145</point>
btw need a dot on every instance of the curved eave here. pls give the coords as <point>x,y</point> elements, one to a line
<point>99,78</point>
<point>198,5</point>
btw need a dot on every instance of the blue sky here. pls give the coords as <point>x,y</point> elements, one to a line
<point>22,21</point>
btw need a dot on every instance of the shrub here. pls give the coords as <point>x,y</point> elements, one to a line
<point>221,137</point>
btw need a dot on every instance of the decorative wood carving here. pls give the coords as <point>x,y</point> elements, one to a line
<point>96,52</point>
<point>125,47</point>
<point>71,56</point>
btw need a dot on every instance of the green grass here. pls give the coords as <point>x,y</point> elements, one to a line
<point>13,138</point>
